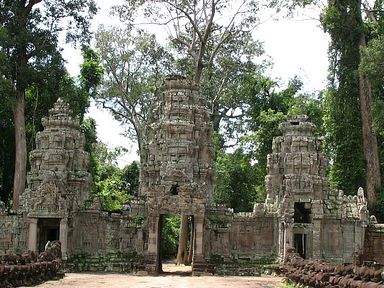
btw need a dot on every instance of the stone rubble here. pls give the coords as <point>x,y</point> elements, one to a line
<point>31,269</point>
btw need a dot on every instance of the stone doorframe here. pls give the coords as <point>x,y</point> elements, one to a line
<point>154,234</point>
<point>33,235</point>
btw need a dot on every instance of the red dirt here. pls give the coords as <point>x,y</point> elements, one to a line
<point>167,280</point>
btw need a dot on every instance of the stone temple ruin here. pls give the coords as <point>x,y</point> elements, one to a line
<point>178,174</point>
<point>300,211</point>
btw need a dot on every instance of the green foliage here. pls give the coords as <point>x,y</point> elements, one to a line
<point>259,145</point>
<point>88,128</point>
<point>235,181</point>
<point>115,186</point>
<point>377,208</point>
<point>169,236</point>
<point>241,174</point>
<point>312,107</point>
<point>290,6</point>
<point>111,192</point>
<point>139,219</point>
<point>263,94</point>
<point>222,84</point>
<point>378,126</point>
<point>7,151</point>
<point>261,140</point>
<point>91,72</point>
<point>218,221</point>
<point>30,34</point>
<point>211,43</point>
<point>130,176</point>
<point>371,64</point>
<point>287,284</point>
<point>343,141</point>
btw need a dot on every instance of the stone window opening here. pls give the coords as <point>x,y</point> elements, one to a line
<point>295,123</point>
<point>174,189</point>
<point>302,213</point>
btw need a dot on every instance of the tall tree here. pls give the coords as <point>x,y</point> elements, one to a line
<point>201,28</point>
<point>29,32</point>
<point>213,45</point>
<point>351,93</point>
<point>134,65</point>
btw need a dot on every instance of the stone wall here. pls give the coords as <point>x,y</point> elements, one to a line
<point>240,243</point>
<point>339,243</point>
<point>13,234</point>
<point>374,243</point>
<point>248,236</point>
<point>105,233</point>
<point>112,242</point>
<point>253,236</point>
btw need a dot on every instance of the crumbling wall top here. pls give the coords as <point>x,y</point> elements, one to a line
<point>179,82</point>
<point>297,125</point>
<point>60,116</point>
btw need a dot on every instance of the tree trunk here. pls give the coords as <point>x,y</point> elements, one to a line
<point>21,150</point>
<point>182,253</point>
<point>371,153</point>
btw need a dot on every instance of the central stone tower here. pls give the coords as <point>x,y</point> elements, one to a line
<point>178,173</point>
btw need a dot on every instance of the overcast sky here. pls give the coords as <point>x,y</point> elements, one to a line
<point>297,47</point>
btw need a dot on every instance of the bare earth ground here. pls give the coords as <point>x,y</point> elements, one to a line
<point>167,280</point>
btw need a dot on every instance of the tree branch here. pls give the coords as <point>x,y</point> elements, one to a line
<point>226,34</point>
<point>190,19</point>
<point>371,13</point>
<point>30,5</point>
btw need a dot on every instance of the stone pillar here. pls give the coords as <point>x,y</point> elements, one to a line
<point>316,244</point>
<point>32,234</point>
<point>199,228</point>
<point>152,256</point>
<point>140,241</point>
<point>199,266</point>
<point>63,237</point>
<point>288,236</point>
<point>281,240</point>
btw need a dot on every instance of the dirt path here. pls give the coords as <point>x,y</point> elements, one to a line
<point>98,280</point>
<point>88,280</point>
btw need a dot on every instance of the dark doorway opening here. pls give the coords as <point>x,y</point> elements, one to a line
<point>170,228</point>
<point>302,213</point>
<point>300,241</point>
<point>174,189</point>
<point>49,230</point>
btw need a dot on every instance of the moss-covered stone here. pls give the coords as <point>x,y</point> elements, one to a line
<point>111,262</point>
